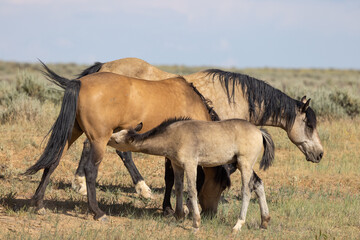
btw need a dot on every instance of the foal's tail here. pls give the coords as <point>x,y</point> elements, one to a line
<point>62,128</point>
<point>269,150</point>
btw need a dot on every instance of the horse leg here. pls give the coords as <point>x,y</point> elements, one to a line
<point>179,185</point>
<point>200,178</point>
<point>190,171</point>
<point>97,151</point>
<point>246,173</point>
<point>79,182</point>
<point>140,186</point>
<point>38,198</point>
<point>169,183</point>
<point>256,185</point>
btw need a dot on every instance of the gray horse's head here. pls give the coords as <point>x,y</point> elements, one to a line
<point>303,132</point>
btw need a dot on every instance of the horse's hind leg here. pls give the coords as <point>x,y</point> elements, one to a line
<point>91,170</point>
<point>140,185</point>
<point>38,198</point>
<point>256,185</point>
<point>246,173</point>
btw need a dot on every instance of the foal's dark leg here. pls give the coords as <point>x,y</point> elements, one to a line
<point>256,185</point>
<point>169,183</point>
<point>200,178</point>
<point>140,185</point>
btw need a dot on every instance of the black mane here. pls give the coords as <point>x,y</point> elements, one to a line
<point>213,115</point>
<point>92,69</point>
<point>133,135</point>
<point>276,104</point>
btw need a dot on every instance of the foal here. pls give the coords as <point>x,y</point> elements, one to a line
<point>188,143</point>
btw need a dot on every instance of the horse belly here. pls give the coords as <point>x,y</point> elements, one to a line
<point>216,157</point>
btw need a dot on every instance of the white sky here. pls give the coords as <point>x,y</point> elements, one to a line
<point>240,33</point>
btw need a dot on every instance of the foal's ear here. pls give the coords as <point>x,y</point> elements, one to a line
<point>138,127</point>
<point>305,106</point>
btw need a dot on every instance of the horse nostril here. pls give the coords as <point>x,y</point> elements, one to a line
<point>320,156</point>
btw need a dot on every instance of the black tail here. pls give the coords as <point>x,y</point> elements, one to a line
<point>92,69</point>
<point>269,150</point>
<point>62,128</point>
<point>54,78</point>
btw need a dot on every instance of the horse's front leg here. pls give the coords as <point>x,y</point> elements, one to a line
<point>140,186</point>
<point>79,182</point>
<point>179,185</point>
<point>169,183</point>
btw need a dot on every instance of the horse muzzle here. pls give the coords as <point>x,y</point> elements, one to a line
<point>315,159</point>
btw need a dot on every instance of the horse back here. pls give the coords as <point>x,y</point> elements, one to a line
<point>108,101</point>
<point>135,67</point>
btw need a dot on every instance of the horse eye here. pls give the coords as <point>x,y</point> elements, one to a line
<point>309,125</point>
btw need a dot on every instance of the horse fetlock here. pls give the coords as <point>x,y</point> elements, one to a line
<point>168,211</point>
<point>143,190</point>
<point>179,215</point>
<point>265,221</point>
<point>79,185</point>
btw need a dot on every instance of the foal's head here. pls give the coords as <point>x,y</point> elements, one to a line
<point>303,132</point>
<point>122,140</point>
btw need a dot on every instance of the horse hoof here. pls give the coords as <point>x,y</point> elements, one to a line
<point>103,219</point>
<point>41,211</point>
<point>265,222</point>
<point>143,190</point>
<point>195,230</point>
<point>168,212</point>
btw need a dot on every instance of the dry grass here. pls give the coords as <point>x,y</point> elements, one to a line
<point>306,200</point>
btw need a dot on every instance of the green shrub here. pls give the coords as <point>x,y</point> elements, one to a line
<point>21,108</point>
<point>320,101</point>
<point>348,103</point>
<point>28,84</point>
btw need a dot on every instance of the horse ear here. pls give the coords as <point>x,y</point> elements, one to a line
<point>303,99</point>
<point>305,106</point>
<point>138,127</point>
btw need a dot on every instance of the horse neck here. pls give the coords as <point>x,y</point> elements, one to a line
<point>213,91</point>
<point>238,107</point>
<point>281,123</point>
<point>155,145</point>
